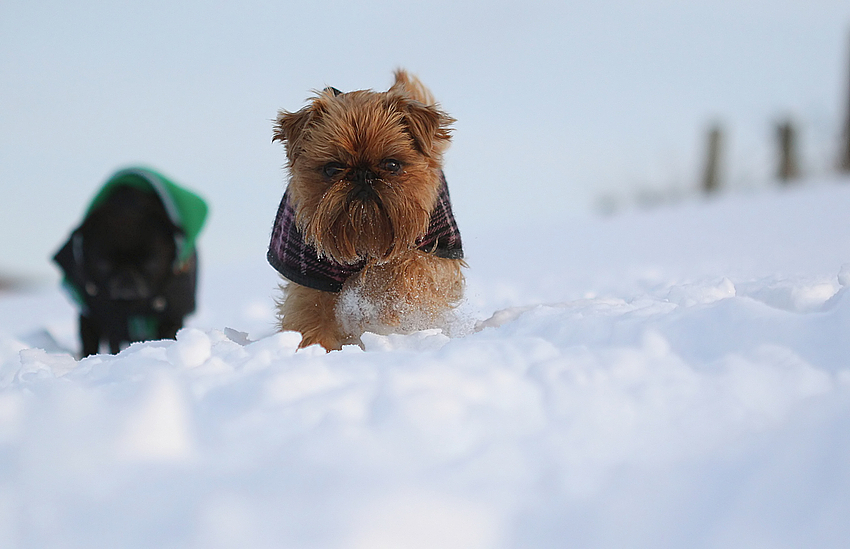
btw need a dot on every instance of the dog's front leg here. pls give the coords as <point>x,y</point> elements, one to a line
<point>313,313</point>
<point>89,336</point>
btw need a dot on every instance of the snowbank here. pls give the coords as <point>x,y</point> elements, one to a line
<point>679,379</point>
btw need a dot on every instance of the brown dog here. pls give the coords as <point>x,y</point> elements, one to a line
<point>365,232</point>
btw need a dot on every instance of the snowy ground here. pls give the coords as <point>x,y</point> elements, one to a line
<point>673,378</point>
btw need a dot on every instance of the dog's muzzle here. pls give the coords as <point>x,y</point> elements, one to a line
<point>128,285</point>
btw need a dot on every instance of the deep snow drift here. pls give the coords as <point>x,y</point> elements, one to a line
<point>676,378</point>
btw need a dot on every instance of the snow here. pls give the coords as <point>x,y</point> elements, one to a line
<point>671,378</point>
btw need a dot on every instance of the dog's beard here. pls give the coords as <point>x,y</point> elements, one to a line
<point>350,225</point>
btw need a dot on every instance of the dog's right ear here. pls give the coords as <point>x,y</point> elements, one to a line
<point>289,129</point>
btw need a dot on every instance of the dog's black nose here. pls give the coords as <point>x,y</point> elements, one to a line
<point>364,177</point>
<point>363,181</point>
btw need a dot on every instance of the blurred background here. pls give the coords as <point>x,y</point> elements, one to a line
<point>563,108</point>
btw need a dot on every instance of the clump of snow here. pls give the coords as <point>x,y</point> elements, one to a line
<point>663,380</point>
<point>359,311</point>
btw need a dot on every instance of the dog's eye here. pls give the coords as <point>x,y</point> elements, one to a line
<point>391,165</point>
<point>332,170</point>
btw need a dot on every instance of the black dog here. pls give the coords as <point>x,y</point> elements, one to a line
<point>121,266</point>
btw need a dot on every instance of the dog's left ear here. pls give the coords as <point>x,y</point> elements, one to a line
<point>429,127</point>
<point>289,128</point>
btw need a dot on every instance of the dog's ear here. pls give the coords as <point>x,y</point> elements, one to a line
<point>428,126</point>
<point>289,129</point>
<point>412,87</point>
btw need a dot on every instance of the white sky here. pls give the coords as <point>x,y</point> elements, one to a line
<point>557,102</point>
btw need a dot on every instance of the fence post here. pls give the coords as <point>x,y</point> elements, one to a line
<point>789,168</point>
<point>711,175</point>
<point>844,158</point>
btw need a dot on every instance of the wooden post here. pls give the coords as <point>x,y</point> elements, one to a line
<point>711,175</point>
<point>844,158</point>
<point>787,140</point>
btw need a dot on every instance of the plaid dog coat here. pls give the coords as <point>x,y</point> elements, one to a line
<point>300,262</point>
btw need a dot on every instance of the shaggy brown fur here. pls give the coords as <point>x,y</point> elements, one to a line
<point>365,172</point>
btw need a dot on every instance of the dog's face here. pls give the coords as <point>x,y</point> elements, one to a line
<point>364,170</point>
<point>128,246</point>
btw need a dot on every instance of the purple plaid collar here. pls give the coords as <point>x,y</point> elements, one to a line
<point>300,262</point>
